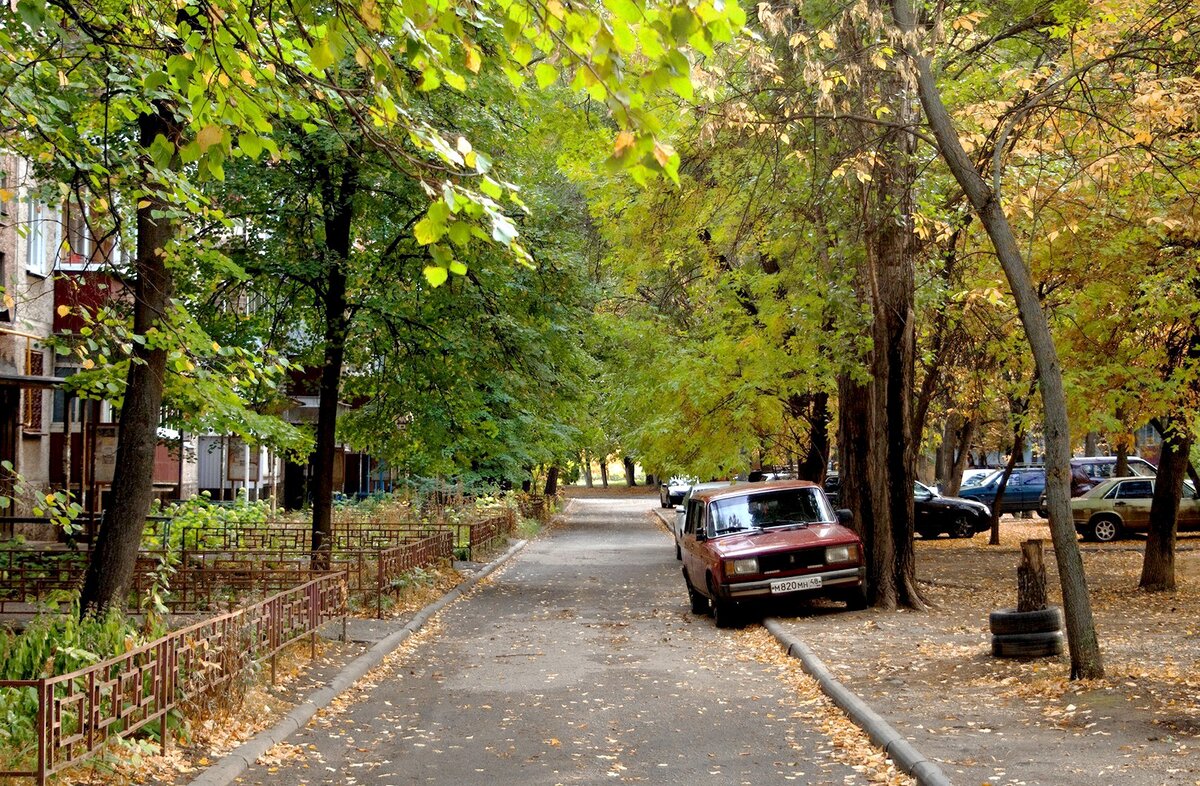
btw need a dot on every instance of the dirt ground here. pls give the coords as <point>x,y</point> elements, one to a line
<point>995,721</point>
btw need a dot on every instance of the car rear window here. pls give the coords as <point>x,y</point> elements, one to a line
<point>769,509</point>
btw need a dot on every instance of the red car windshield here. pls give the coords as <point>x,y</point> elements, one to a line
<point>785,507</point>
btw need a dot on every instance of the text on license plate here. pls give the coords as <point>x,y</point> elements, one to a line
<point>793,585</point>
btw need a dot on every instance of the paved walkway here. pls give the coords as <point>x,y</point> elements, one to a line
<point>578,663</point>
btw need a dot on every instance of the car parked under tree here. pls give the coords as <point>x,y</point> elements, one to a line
<point>769,540</point>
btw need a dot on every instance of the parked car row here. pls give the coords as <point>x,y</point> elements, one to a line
<point>741,542</point>
<point>934,514</point>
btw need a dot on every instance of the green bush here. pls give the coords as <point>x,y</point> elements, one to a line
<point>201,512</point>
<point>53,644</point>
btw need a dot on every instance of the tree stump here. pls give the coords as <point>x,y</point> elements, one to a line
<point>1031,577</point>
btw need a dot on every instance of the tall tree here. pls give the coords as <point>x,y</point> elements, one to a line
<point>1086,661</point>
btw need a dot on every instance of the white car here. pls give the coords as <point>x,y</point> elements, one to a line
<point>682,506</point>
<point>671,493</point>
<point>974,477</point>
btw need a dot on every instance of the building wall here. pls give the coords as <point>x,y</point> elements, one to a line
<point>27,308</point>
<point>221,462</point>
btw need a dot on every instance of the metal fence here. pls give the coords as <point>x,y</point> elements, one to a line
<point>207,580</point>
<point>77,713</point>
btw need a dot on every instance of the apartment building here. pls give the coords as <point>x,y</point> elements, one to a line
<point>29,240</point>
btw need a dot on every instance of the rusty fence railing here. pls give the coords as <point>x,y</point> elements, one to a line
<point>75,714</point>
<point>393,563</point>
<point>214,580</point>
<point>489,532</point>
<point>295,537</point>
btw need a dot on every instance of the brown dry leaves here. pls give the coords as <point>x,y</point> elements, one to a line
<point>851,745</point>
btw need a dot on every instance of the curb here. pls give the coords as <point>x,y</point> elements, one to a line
<point>236,762</point>
<point>882,734</point>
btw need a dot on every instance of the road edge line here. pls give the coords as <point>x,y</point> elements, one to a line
<point>235,763</point>
<point>881,733</point>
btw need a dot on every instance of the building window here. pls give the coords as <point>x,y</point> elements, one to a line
<point>41,236</point>
<point>78,250</point>
<point>34,417</point>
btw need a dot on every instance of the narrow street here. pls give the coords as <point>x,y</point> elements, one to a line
<point>577,663</point>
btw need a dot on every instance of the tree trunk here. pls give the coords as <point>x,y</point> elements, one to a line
<point>1091,444</point>
<point>1121,469</point>
<point>587,469</point>
<point>604,471</point>
<point>114,555</point>
<point>890,255</point>
<point>1018,449</point>
<point>854,439</point>
<point>816,459</point>
<point>551,481</point>
<point>964,438</point>
<point>630,469</point>
<point>1031,577</point>
<point>1086,660</point>
<point>338,199</point>
<point>1158,561</point>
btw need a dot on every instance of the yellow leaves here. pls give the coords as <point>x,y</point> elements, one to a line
<point>88,363</point>
<point>623,142</point>
<point>209,135</point>
<point>967,22</point>
<point>555,9</point>
<point>369,11</point>
<point>474,59</point>
<point>63,310</point>
<point>663,153</point>
<point>826,40</point>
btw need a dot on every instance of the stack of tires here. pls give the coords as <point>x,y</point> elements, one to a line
<point>1026,634</point>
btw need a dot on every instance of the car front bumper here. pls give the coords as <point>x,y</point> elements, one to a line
<point>761,588</point>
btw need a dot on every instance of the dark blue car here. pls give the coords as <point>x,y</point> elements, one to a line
<point>1023,492</point>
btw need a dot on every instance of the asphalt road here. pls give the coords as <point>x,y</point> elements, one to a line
<point>577,663</point>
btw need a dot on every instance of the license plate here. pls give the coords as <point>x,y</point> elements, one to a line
<point>794,585</point>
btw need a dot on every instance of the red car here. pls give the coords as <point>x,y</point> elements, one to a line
<point>767,540</point>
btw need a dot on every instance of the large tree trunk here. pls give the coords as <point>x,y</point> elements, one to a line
<point>1091,444</point>
<point>854,439</point>
<point>1158,561</point>
<point>587,469</point>
<point>551,481</point>
<point>114,556</point>
<point>337,194</point>
<point>604,472</point>
<point>1086,661</point>
<point>813,408</point>
<point>630,469</point>
<point>890,256</point>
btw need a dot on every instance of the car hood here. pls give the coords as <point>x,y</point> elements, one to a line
<point>787,539</point>
<point>960,503</point>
